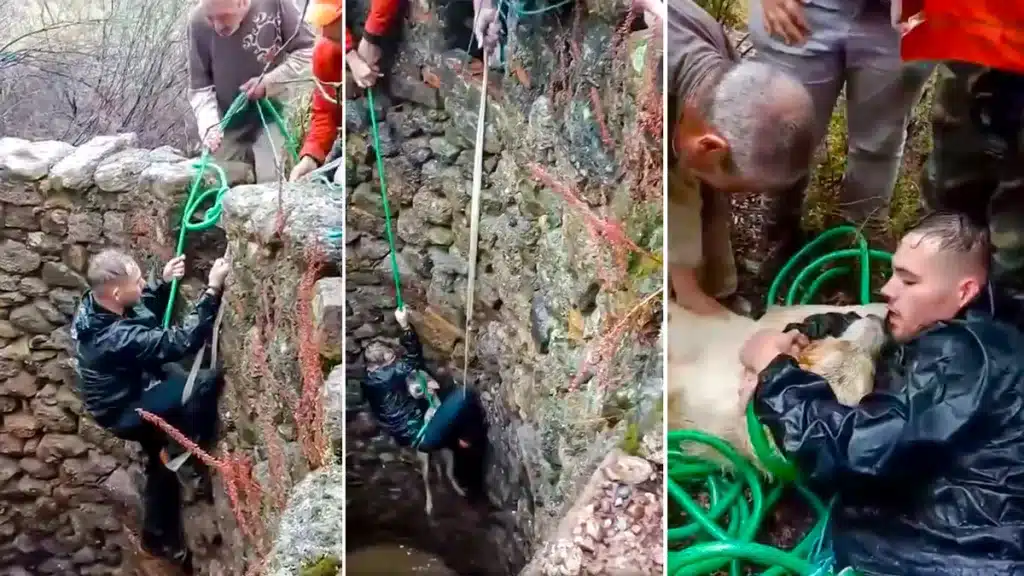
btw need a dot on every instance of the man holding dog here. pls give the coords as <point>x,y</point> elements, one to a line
<point>407,402</point>
<point>926,468</point>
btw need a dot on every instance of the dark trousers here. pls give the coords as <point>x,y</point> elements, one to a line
<point>196,419</point>
<point>461,417</point>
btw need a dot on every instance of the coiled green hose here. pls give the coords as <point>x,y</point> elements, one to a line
<point>740,497</point>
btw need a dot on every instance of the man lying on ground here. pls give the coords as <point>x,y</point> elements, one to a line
<point>926,468</point>
<point>126,360</point>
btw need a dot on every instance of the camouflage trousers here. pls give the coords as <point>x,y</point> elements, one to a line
<point>977,162</point>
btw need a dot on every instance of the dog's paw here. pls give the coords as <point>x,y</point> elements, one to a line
<point>458,489</point>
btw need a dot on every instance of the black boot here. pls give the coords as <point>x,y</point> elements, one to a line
<point>177,555</point>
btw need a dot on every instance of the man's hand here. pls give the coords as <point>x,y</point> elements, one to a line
<point>174,269</point>
<point>218,273</point>
<point>254,88</point>
<point>785,19</point>
<point>402,315</point>
<point>486,27</point>
<point>364,75</point>
<point>764,346</point>
<point>370,53</point>
<point>433,385</point>
<point>213,138</point>
<point>304,167</point>
<point>653,10</point>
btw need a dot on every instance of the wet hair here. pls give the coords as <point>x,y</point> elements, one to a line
<point>378,354</point>
<point>955,234</point>
<point>767,118</point>
<point>109,266</point>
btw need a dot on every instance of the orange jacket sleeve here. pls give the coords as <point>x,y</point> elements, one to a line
<point>380,19</point>
<point>984,33</point>
<point>328,58</point>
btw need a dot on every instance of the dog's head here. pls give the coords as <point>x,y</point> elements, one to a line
<point>867,334</point>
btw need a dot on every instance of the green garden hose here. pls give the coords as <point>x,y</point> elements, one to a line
<point>199,195</point>
<point>738,495</point>
<point>395,273</point>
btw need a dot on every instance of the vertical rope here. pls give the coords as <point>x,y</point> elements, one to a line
<point>474,219</point>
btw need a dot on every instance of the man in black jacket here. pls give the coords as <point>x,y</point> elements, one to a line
<point>404,400</point>
<point>929,468</point>
<point>127,361</point>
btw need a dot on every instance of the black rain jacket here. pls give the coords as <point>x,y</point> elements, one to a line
<point>387,393</point>
<point>119,356</point>
<point>929,468</point>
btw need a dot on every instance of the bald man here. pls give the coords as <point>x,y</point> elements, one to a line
<point>928,468</point>
<point>736,127</point>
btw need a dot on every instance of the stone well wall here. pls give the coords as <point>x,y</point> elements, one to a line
<point>282,337</point>
<point>572,157</point>
<point>70,492</point>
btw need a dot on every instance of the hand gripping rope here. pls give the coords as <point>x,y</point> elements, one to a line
<point>198,196</point>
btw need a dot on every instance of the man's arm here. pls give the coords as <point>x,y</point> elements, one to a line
<point>413,348</point>
<point>889,434</point>
<point>162,345</point>
<point>325,115</point>
<point>297,64</point>
<point>202,95</point>
<point>380,19</point>
<point>155,296</point>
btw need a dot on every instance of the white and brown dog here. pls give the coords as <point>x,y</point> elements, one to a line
<point>706,380</point>
<point>447,454</point>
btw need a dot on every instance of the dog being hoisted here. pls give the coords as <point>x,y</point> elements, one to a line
<point>416,411</point>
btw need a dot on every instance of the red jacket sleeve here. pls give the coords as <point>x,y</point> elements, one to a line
<point>381,17</point>
<point>328,58</point>
<point>350,41</point>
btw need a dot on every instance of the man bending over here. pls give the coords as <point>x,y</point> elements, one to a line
<point>397,390</point>
<point>928,468</point>
<point>735,126</point>
<point>126,361</point>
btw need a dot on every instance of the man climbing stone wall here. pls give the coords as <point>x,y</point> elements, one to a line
<point>70,492</point>
<point>572,151</point>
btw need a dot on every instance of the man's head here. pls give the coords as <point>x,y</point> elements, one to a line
<point>749,129</point>
<point>378,355</point>
<point>939,267</point>
<point>224,16</point>
<point>115,279</point>
<point>325,17</point>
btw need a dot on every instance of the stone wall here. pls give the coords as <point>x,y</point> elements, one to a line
<point>570,205</point>
<point>281,337</point>
<point>70,492</point>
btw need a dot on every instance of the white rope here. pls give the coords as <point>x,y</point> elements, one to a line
<point>474,218</point>
<point>198,360</point>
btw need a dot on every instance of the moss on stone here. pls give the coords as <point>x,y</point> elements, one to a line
<point>630,443</point>
<point>324,566</point>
